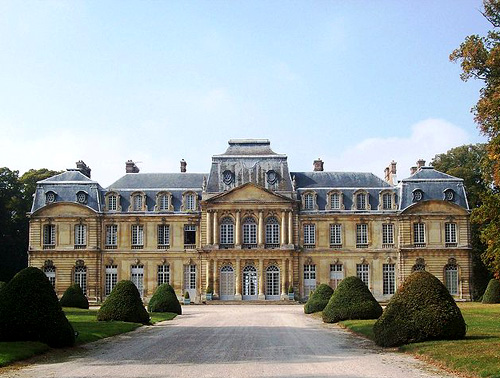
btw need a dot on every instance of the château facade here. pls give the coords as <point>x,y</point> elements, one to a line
<point>249,229</point>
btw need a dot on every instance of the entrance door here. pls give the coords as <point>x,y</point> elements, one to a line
<point>273,282</point>
<point>227,283</point>
<point>249,283</point>
<point>190,281</point>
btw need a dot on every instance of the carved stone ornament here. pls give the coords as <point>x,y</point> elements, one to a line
<point>137,261</point>
<point>79,263</point>
<point>420,261</point>
<point>164,261</point>
<point>48,263</point>
<point>388,259</point>
<point>227,177</point>
<point>272,177</point>
<point>363,260</point>
<point>110,261</point>
<point>452,261</point>
<point>336,261</point>
<point>309,261</point>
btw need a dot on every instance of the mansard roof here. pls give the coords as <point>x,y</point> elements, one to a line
<point>70,176</point>
<point>249,147</point>
<point>429,173</point>
<point>138,181</point>
<point>320,179</point>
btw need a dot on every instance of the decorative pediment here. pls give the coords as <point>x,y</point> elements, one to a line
<point>435,207</point>
<point>248,193</point>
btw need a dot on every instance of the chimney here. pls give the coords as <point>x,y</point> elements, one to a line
<point>386,174</point>
<point>130,167</point>
<point>82,167</point>
<point>183,166</point>
<point>318,165</point>
<point>420,163</point>
<point>413,170</point>
<point>393,167</point>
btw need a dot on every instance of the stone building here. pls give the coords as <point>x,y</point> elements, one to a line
<point>250,228</point>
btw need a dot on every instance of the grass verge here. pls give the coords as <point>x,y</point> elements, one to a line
<point>476,355</point>
<point>87,326</point>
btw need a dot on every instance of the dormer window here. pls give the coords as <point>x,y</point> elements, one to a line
<point>449,195</point>
<point>387,200</point>
<point>137,202</point>
<point>163,202</point>
<point>189,201</point>
<point>50,197</point>
<point>361,200</point>
<point>112,201</point>
<point>335,200</point>
<point>417,195</point>
<point>309,201</point>
<point>81,197</point>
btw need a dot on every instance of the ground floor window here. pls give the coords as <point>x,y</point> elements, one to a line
<point>272,282</point>
<point>163,274</point>
<point>249,282</point>
<point>336,274</point>
<point>190,280</point>
<point>137,277</point>
<point>50,272</point>
<point>309,279</point>
<point>451,278</point>
<point>362,271</point>
<point>81,278</point>
<point>389,279</point>
<point>111,278</point>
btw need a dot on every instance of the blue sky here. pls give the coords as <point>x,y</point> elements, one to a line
<point>357,83</point>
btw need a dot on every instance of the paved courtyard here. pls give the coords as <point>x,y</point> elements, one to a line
<point>232,341</point>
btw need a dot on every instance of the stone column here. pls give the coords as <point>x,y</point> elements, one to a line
<point>283,228</point>
<point>260,230</point>
<point>216,279</point>
<point>208,265</point>
<point>284,293</point>
<point>237,277</point>
<point>238,230</point>
<point>216,229</point>
<point>261,279</point>
<point>209,227</point>
<point>290,271</point>
<point>290,227</point>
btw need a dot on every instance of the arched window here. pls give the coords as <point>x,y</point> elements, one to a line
<point>189,201</point>
<point>163,202</point>
<point>309,201</point>
<point>418,268</point>
<point>137,201</point>
<point>81,277</point>
<point>112,201</point>
<point>335,201</point>
<point>361,201</point>
<point>249,233</point>
<point>50,272</point>
<point>387,201</point>
<point>272,233</point>
<point>451,278</point>
<point>226,232</point>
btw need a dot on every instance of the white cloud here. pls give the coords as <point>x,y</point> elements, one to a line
<point>427,138</point>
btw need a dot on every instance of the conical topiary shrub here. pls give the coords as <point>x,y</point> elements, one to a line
<point>318,299</point>
<point>30,311</point>
<point>422,309</point>
<point>74,297</point>
<point>351,300</point>
<point>492,293</point>
<point>165,300</point>
<point>125,304</point>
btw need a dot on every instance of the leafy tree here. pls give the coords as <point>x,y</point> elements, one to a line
<point>479,57</point>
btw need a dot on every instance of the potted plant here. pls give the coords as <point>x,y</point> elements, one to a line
<point>291,294</point>
<point>187,300</point>
<point>210,293</point>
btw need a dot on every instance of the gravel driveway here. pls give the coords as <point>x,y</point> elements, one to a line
<point>232,341</point>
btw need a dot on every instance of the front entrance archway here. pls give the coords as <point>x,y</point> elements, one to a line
<point>273,282</point>
<point>249,283</point>
<point>227,283</point>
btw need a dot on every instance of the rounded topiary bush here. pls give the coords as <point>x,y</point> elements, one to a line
<point>125,304</point>
<point>492,293</point>
<point>30,311</point>
<point>318,299</point>
<point>74,297</point>
<point>165,300</point>
<point>422,309</point>
<point>351,300</point>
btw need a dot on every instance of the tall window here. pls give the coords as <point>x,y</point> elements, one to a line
<point>361,235</point>
<point>272,232</point>
<point>309,278</point>
<point>137,277</point>
<point>137,236</point>
<point>387,201</point>
<point>450,234</point>
<point>336,274</point>
<point>111,236</point>
<point>363,271</point>
<point>249,232</point>
<point>163,236</point>
<point>163,274</point>
<point>361,201</point>
<point>389,279</point>
<point>309,201</point>
<point>335,201</point>
<point>112,202</point>
<point>190,199</point>
<point>163,204</point>
<point>387,235</point>
<point>189,236</point>
<point>227,232</point>
<point>50,272</point>
<point>111,278</point>
<point>335,235</point>
<point>49,236</point>
<point>81,278</point>
<point>137,202</point>
<point>80,236</point>
<point>451,278</point>
<point>419,234</point>
<point>309,235</point>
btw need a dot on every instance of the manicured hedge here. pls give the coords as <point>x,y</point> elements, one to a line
<point>165,300</point>
<point>422,309</point>
<point>74,297</point>
<point>492,293</point>
<point>125,304</point>
<point>318,300</point>
<point>351,300</point>
<point>30,311</point>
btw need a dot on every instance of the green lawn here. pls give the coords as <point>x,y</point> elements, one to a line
<point>87,326</point>
<point>476,355</point>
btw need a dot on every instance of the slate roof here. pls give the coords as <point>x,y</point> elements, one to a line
<point>137,181</point>
<point>249,147</point>
<point>320,179</point>
<point>68,176</point>
<point>429,173</point>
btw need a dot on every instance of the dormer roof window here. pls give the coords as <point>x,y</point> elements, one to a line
<point>81,197</point>
<point>449,195</point>
<point>418,195</point>
<point>50,197</point>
